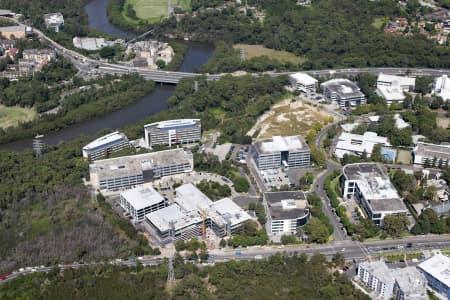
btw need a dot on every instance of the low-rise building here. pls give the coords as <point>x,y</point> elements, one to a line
<point>442,87</point>
<point>392,94</point>
<point>431,155</point>
<point>406,84</point>
<point>285,212</point>
<point>141,201</point>
<point>343,93</point>
<point>128,171</point>
<point>357,144</point>
<point>281,152</point>
<point>88,43</point>
<point>105,145</point>
<point>373,190</point>
<point>54,21</point>
<point>39,55</point>
<point>437,273</point>
<point>13,32</point>
<point>171,132</point>
<point>191,211</point>
<point>303,82</point>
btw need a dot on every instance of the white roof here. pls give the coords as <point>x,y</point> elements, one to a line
<point>141,197</point>
<point>163,218</point>
<point>191,198</point>
<point>438,266</point>
<point>391,93</point>
<point>442,87</point>
<point>303,78</point>
<point>349,143</point>
<point>348,127</point>
<point>399,122</point>
<point>368,136</point>
<point>282,143</point>
<point>230,211</point>
<point>104,140</point>
<point>174,123</point>
<point>396,80</point>
<point>374,118</point>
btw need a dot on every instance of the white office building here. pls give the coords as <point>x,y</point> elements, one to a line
<point>356,144</point>
<point>54,21</point>
<point>399,284</point>
<point>431,155</point>
<point>303,82</point>
<point>140,201</point>
<point>442,87</point>
<point>281,152</point>
<point>437,273</point>
<point>192,209</point>
<point>406,84</point>
<point>128,171</point>
<point>285,211</point>
<point>372,189</point>
<point>343,93</point>
<point>105,145</point>
<point>171,132</point>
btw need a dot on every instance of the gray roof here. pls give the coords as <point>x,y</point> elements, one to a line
<point>433,150</point>
<point>286,205</point>
<point>343,87</point>
<point>353,171</point>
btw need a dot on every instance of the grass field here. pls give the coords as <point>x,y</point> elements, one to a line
<point>403,157</point>
<point>11,116</point>
<point>378,22</point>
<point>259,50</point>
<point>154,10</point>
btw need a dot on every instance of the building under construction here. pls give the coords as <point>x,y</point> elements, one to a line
<point>192,213</point>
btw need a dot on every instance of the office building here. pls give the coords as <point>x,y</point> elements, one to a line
<point>357,144</point>
<point>373,190</point>
<point>285,212</point>
<point>437,273</point>
<point>431,155</point>
<point>168,133</point>
<point>442,87</point>
<point>406,84</point>
<point>343,93</point>
<point>54,21</point>
<point>105,145</point>
<point>400,284</point>
<point>39,55</point>
<point>281,152</point>
<point>303,82</point>
<point>409,283</point>
<point>191,211</point>
<point>13,32</point>
<point>124,172</point>
<point>141,201</point>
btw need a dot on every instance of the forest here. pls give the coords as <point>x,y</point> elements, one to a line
<point>308,278</point>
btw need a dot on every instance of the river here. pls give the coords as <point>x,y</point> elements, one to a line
<point>153,103</point>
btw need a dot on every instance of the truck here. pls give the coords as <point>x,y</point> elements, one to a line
<point>258,257</point>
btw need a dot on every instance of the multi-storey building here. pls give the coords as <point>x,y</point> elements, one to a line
<point>437,273</point>
<point>124,172</point>
<point>303,82</point>
<point>357,144</point>
<point>373,190</point>
<point>431,155</point>
<point>168,133</point>
<point>54,21</point>
<point>277,152</point>
<point>141,201</point>
<point>285,212</point>
<point>343,93</point>
<point>409,283</point>
<point>105,145</point>
<point>377,277</point>
<point>442,87</point>
<point>39,55</point>
<point>406,84</point>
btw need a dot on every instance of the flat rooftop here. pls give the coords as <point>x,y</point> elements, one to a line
<point>280,144</point>
<point>286,205</point>
<point>433,150</point>
<point>391,93</point>
<point>396,80</point>
<point>343,87</point>
<point>230,211</point>
<point>173,124</point>
<point>411,282</point>
<point>105,141</point>
<point>379,269</point>
<point>12,28</point>
<point>135,164</point>
<point>303,78</point>
<point>191,198</point>
<point>142,197</point>
<point>173,214</point>
<point>437,266</point>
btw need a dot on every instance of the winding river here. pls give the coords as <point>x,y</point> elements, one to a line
<point>153,103</point>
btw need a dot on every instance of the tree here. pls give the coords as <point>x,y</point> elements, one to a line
<point>395,225</point>
<point>241,184</point>
<point>161,64</point>
<point>288,239</point>
<point>317,231</point>
<point>338,259</point>
<point>306,181</point>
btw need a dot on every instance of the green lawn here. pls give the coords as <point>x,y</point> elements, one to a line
<point>378,22</point>
<point>11,116</point>
<point>153,10</point>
